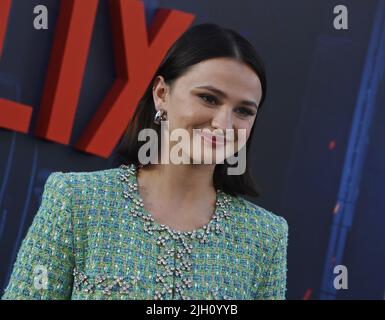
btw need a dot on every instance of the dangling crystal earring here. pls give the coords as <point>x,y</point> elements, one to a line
<point>160,116</point>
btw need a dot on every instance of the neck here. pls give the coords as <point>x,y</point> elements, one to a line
<point>173,182</point>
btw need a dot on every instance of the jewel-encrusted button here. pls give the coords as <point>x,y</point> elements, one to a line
<point>107,284</point>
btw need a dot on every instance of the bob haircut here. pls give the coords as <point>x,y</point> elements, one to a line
<point>198,43</point>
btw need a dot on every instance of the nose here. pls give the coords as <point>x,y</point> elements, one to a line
<point>222,119</point>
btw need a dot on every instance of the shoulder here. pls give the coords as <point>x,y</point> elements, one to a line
<point>89,177</point>
<point>260,220</point>
<point>83,180</point>
<point>87,194</point>
<point>79,189</point>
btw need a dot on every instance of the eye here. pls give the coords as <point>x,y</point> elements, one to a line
<point>208,98</point>
<point>245,112</point>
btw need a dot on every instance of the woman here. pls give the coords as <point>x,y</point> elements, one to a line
<point>166,230</point>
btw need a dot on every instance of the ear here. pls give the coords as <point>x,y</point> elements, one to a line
<point>160,90</point>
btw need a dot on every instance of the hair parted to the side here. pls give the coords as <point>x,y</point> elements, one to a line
<point>200,42</point>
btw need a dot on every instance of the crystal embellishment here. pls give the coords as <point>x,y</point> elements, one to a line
<point>108,285</point>
<point>182,255</point>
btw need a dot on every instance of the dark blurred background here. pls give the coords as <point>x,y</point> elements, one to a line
<point>319,148</point>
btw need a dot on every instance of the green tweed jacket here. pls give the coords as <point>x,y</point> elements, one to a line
<point>92,238</point>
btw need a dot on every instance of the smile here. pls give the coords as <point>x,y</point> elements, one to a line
<point>213,139</point>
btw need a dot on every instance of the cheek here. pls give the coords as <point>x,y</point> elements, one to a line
<point>188,115</point>
<point>245,125</point>
<point>243,135</point>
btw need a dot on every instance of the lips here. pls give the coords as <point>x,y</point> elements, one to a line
<point>213,139</point>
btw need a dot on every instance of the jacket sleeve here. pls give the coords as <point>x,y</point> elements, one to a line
<point>44,263</point>
<point>273,286</point>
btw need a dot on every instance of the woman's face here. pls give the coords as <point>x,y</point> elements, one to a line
<point>214,95</point>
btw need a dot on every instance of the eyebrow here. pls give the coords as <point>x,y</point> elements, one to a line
<point>224,95</point>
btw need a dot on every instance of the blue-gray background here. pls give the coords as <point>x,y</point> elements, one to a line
<point>319,140</point>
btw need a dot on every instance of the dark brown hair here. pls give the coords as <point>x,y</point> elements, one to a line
<point>200,42</point>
